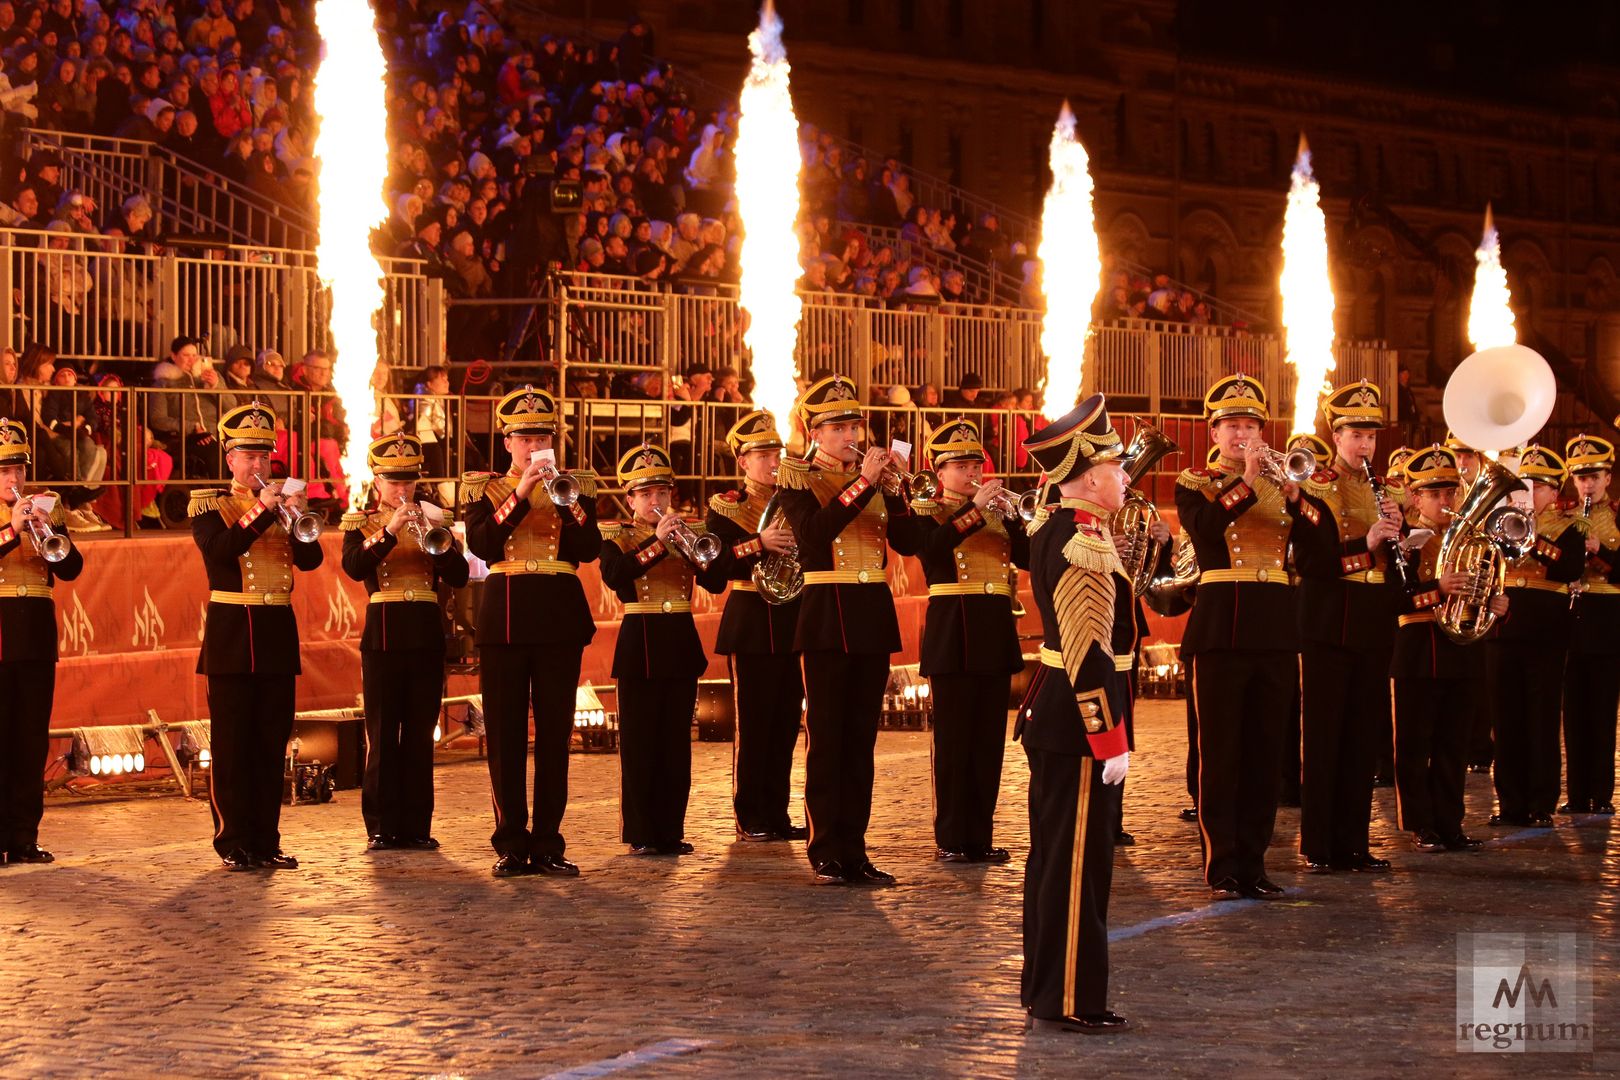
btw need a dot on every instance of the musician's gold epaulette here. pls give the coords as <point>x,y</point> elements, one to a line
<point>1321,481</point>
<point>794,475</point>
<point>926,507</point>
<point>353,521</point>
<point>1552,522</point>
<point>473,485</point>
<point>698,525</point>
<point>610,530</point>
<point>203,500</point>
<point>1091,552</point>
<point>1197,479</point>
<point>728,504</point>
<point>588,482</point>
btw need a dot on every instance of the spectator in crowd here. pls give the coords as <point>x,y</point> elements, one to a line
<point>325,431</point>
<point>434,428</point>
<point>187,421</point>
<point>966,396</point>
<point>238,378</point>
<point>269,380</point>
<point>71,453</point>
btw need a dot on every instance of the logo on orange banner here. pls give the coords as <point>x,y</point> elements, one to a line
<point>77,630</point>
<point>341,617</point>
<point>149,624</point>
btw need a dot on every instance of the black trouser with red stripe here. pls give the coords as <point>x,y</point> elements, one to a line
<point>1591,695</point>
<point>28,690</point>
<point>1526,681</point>
<point>250,721</point>
<point>512,678</point>
<point>655,759</point>
<point>845,692</point>
<point>1431,753</point>
<point>970,732</point>
<point>1073,817</point>
<point>1346,692</point>
<point>1242,708</point>
<point>403,690</point>
<point>768,698</point>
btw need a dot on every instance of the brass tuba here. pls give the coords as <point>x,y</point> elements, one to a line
<point>778,575</point>
<point>1135,519</point>
<point>1482,539</point>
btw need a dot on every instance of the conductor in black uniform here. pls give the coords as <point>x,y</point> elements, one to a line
<point>756,636</point>
<point>651,564</point>
<point>973,544</point>
<point>1072,724</point>
<point>28,635</point>
<point>403,559</point>
<point>533,526</point>
<point>250,638</point>
<point>847,626</point>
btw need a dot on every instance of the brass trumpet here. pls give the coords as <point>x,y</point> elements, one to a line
<point>51,545</point>
<point>562,489</point>
<point>435,541</point>
<point>699,550</point>
<point>1293,467</point>
<point>305,528</point>
<point>1006,503</point>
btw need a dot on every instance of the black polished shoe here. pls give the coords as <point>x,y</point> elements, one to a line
<point>417,843</point>
<point>1606,809</point>
<point>831,873</point>
<point>1263,888</point>
<point>510,865</point>
<point>30,853</point>
<point>1188,813</point>
<point>1102,1023</point>
<point>947,855</point>
<point>1124,839</point>
<point>871,875</point>
<point>237,861</point>
<point>278,861</point>
<point>1461,842</point>
<point>1480,768</point>
<point>553,865</point>
<point>1367,864</point>
<point>679,847</point>
<point>1314,866</point>
<point>996,855</point>
<point>644,849</point>
<point>1504,820</point>
<point>1573,807</point>
<point>1428,840</point>
<point>749,836</point>
<point>793,832</point>
<point>379,843</point>
<point>1226,889</point>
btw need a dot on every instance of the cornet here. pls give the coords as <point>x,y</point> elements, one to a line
<point>1294,467</point>
<point>51,545</point>
<point>700,551</point>
<point>435,541</point>
<point>562,488</point>
<point>1005,503</point>
<point>305,528</point>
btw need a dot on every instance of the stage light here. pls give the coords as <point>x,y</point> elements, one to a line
<point>205,758</point>
<point>438,732</point>
<point>597,728</point>
<point>907,705</point>
<point>104,752</point>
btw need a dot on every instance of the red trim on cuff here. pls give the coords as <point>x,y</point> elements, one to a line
<point>746,548</point>
<point>1310,512</point>
<point>967,521</point>
<point>1350,564</point>
<point>579,515</point>
<point>375,538</point>
<point>251,516</point>
<point>649,553</point>
<point>1236,494</point>
<point>854,491</point>
<point>7,535</point>
<point>1598,563</point>
<point>504,511</point>
<point>1110,743</point>
<point>1426,599</point>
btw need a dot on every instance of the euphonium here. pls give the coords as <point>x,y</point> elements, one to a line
<point>1482,539</point>
<point>778,575</point>
<point>1171,594</point>
<point>1134,520</point>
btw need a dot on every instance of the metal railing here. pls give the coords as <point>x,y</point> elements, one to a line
<point>187,197</point>
<point>94,302</point>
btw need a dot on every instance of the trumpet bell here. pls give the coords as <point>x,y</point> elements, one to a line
<point>1500,397</point>
<point>54,548</point>
<point>705,549</point>
<point>563,490</point>
<point>437,540</point>
<point>306,528</point>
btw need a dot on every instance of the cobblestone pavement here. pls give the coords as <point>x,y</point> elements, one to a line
<point>135,956</point>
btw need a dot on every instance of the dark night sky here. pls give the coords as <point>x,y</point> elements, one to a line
<point>1506,50</point>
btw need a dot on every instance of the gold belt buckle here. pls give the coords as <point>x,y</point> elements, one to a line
<point>668,607</point>
<point>22,590</point>
<point>410,594</point>
<point>1263,575</point>
<point>532,565</point>
<point>861,577</point>
<point>990,587</point>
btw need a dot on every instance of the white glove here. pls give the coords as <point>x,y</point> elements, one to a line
<point>1115,768</point>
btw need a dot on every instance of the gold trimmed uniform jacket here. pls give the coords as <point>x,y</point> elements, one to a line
<point>402,582</point>
<point>1342,600</point>
<point>1080,698</point>
<point>657,637</point>
<point>748,624</point>
<point>28,628</point>
<point>971,559</point>
<point>532,595</point>
<point>250,559</point>
<point>1596,628</point>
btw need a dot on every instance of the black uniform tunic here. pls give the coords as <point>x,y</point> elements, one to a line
<point>28,657</point>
